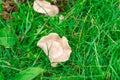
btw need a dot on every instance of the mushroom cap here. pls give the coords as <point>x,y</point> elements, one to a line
<point>56,48</point>
<point>45,7</point>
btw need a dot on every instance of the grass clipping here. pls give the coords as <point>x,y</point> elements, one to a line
<point>56,48</point>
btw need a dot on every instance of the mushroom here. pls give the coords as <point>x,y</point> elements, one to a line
<point>57,49</point>
<point>45,7</point>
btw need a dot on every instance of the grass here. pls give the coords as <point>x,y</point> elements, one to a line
<point>92,28</point>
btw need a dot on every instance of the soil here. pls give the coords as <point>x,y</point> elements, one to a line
<point>8,6</point>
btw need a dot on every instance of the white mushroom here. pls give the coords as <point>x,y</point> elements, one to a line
<point>56,48</point>
<point>45,7</point>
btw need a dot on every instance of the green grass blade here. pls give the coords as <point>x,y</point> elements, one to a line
<point>29,73</point>
<point>7,38</point>
<point>1,76</point>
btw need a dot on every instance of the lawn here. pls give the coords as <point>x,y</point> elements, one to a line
<point>92,28</point>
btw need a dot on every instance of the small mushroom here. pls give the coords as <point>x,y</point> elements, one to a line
<point>45,7</point>
<point>57,49</point>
